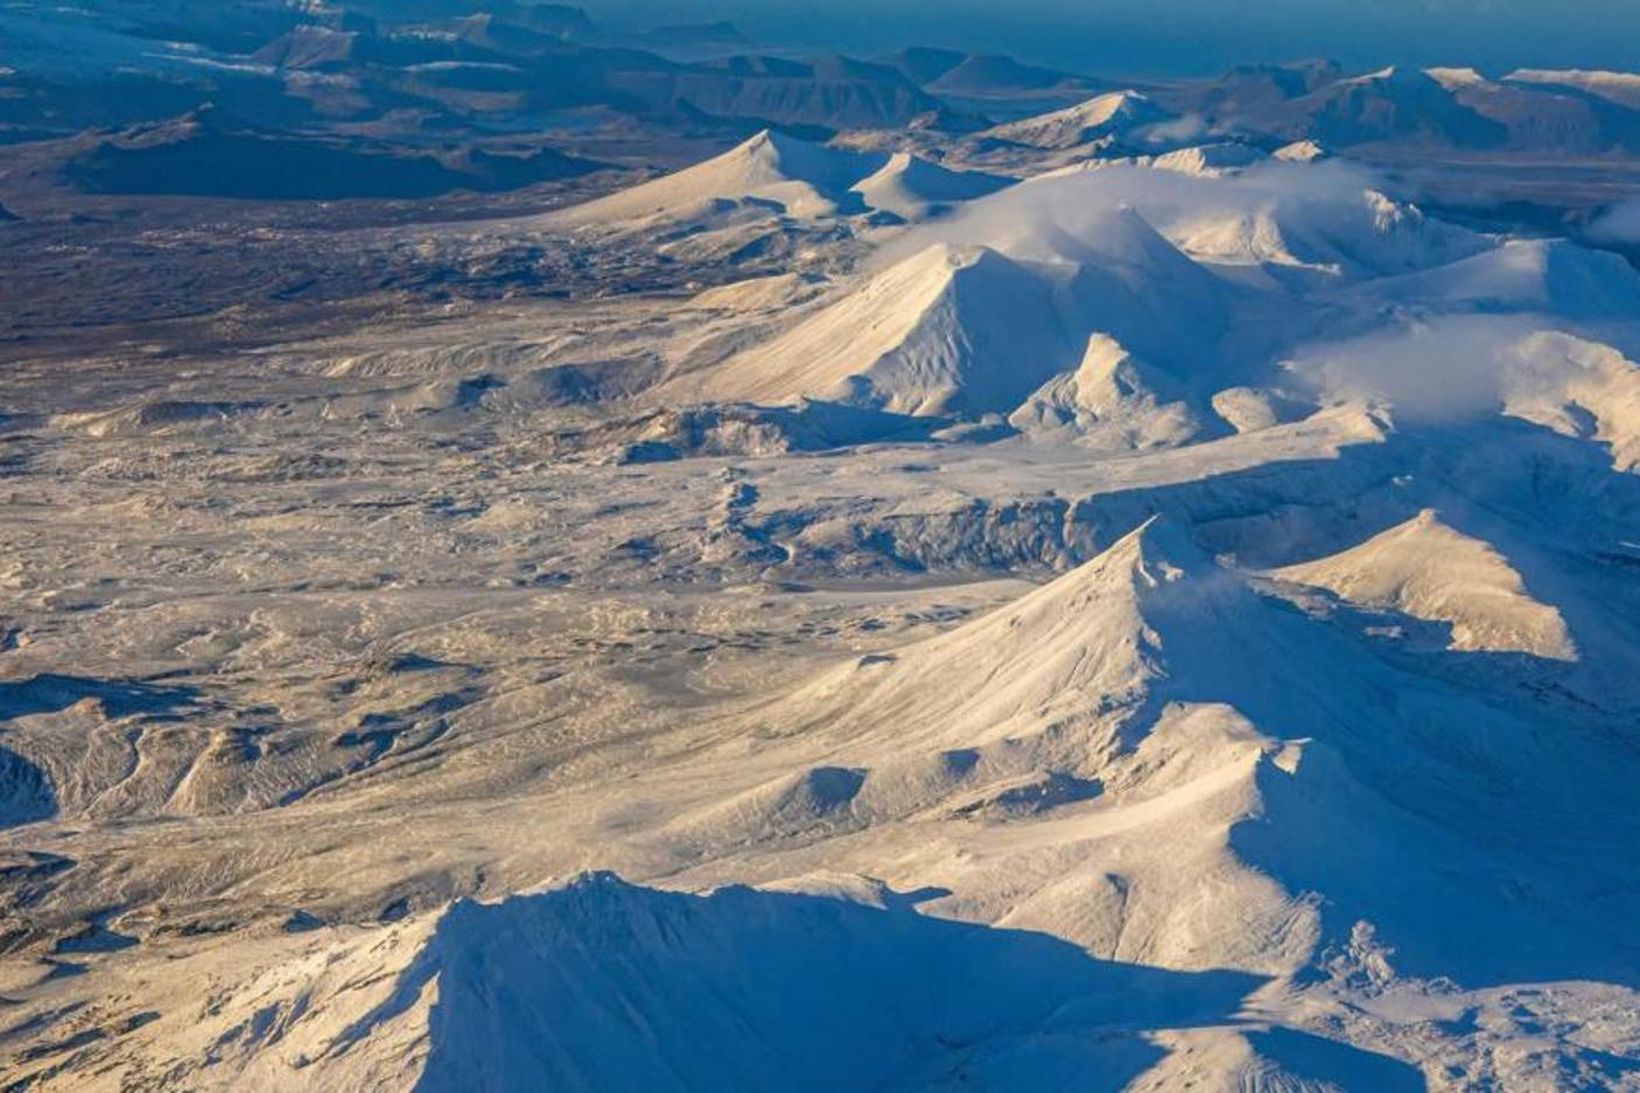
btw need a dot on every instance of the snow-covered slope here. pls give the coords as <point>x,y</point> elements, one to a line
<point>781,175</point>
<point>987,308</point>
<point>1622,88</point>
<point>1082,650</point>
<point>1105,816</point>
<point>599,985</point>
<point>975,329</point>
<point>1337,233</point>
<point>1301,151</point>
<point>1164,756</point>
<point>1578,388</point>
<point>947,330</point>
<point>1320,219</point>
<point>1549,276</point>
<point>1166,624</point>
<point>1114,114</point>
<point>915,189</point>
<point>1111,401</point>
<point>1427,570</point>
<point>773,171</point>
<point>1464,368</point>
<point>1209,159</point>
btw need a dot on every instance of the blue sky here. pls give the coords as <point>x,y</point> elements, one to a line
<point>1188,36</point>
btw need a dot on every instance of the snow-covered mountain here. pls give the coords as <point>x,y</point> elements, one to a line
<point>1114,114</point>
<point>1557,113</point>
<point>790,178</point>
<point>1155,613</point>
<point>948,329</point>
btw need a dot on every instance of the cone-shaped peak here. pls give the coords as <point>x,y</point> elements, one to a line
<point>1083,647</point>
<point>1126,233</point>
<point>766,143</point>
<point>1143,571</point>
<point>1429,570</point>
<point>1159,551</point>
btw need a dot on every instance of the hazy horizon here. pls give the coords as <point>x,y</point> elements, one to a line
<point>1180,37</point>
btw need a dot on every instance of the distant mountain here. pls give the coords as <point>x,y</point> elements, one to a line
<point>204,154</point>
<point>923,65</point>
<point>559,20</point>
<point>1566,120</point>
<point>990,86</point>
<point>780,175</point>
<point>308,46</point>
<point>690,41</point>
<point>915,189</point>
<point>1622,88</point>
<point>980,75</point>
<point>1458,108</point>
<point>562,20</point>
<point>700,70</point>
<point>1395,104</point>
<point>1103,116</point>
<point>1250,89</point>
<point>834,92</point>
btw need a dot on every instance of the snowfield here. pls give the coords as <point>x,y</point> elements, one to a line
<point>1103,611</point>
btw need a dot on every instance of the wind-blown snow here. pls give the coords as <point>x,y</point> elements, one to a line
<point>1324,216</point>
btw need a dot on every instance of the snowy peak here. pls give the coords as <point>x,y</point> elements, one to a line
<point>1554,276</point>
<point>914,189</point>
<point>835,981</point>
<point>782,174</point>
<point>1217,158</point>
<point>779,174</point>
<point>1301,151</point>
<point>966,330</point>
<point>1069,221</point>
<point>1619,88</point>
<point>1102,116</point>
<point>774,157</point>
<point>1157,553</point>
<point>947,330</point>
<point>1083,651</point>
<point>1117,249</point>
<point>1141,564</point>
<point>1454,79</point>
<point>1134,284</point>
<point>1428,570</point>
<point>1126,236</point>
<point>1112,401</point>
<point>1353,235</point>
